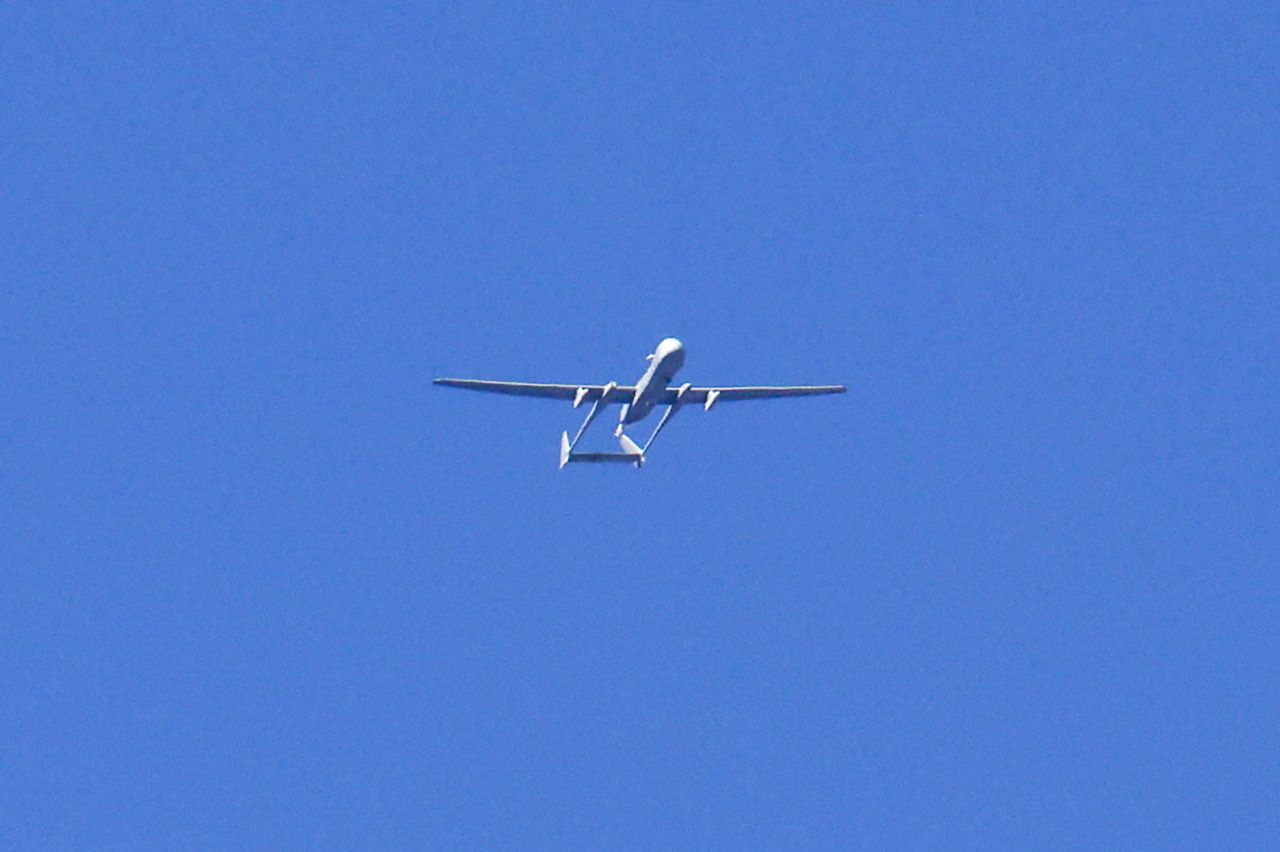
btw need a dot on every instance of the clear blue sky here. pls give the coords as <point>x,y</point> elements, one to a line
<point>265,587</point>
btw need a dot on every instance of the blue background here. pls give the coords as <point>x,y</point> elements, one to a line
<point>264,586</point>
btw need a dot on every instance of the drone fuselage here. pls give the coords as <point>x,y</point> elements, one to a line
<point>664,363</point>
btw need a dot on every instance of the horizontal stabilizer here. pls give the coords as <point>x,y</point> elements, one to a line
<point>632,454</point>
<point>604,457</point>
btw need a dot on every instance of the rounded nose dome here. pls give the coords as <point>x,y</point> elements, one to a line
<point>670,344</point>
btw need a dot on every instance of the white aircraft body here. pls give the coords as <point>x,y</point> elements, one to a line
<point>653,389</point>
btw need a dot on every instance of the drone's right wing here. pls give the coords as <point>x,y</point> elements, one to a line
<point>708,396</point>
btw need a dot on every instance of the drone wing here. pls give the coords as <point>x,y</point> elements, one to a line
<point>709,396</point>
<point>570,392</point>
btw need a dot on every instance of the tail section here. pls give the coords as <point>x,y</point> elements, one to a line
<point>631,448</point>
<point>631,454</point>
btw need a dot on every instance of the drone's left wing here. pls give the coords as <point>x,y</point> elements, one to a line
<point>570,392</point>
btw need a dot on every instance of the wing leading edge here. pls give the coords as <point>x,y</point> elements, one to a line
<point>569,392</point>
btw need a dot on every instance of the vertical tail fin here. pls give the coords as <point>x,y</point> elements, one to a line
<point>632,449</point>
